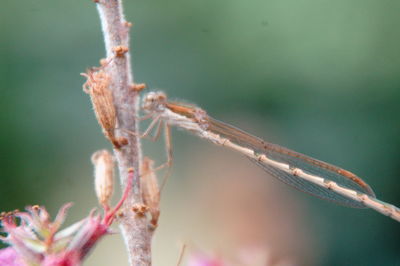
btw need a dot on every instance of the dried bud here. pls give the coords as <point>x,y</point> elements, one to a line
<point>103,176</point>
<point>97,86</point>
<point>150,189</point>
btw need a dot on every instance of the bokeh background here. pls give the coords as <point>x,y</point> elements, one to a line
<point>320,77</point>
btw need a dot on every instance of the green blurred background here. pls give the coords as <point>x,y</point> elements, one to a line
<point>320,77</point>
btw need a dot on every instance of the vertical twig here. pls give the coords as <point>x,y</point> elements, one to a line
<point>134,227</point>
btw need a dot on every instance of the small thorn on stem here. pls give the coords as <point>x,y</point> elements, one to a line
<point>120,214</point>
<point>140,209</point>
<point>120,50</point>
<point>138,87</point>
<point>128,24</point>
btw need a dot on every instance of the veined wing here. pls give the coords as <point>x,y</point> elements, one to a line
<point>296,160</point>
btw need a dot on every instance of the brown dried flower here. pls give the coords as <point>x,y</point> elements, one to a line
<point>150,190</point>
<point>103,176</point>
<point>97,86</point>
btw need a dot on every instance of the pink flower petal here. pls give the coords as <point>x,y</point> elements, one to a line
<point>8,256</point>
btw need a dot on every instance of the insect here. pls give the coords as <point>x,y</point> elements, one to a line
<point>298,170</point>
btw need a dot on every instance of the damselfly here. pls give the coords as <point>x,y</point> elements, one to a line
<point>300,171</point>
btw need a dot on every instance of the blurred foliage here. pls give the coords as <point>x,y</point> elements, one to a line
<point>321,77</point>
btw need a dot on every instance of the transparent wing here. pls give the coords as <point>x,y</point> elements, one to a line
<point>296,160</point>
<point>308,187</point>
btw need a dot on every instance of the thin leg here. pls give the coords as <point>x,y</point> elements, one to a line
<point>145,117</point>
<point>158,131</point>
<point>168,163</point>
<point>147,131</point>
<point>181,254</point>
<point>151,126</point>
<point>141,118</point>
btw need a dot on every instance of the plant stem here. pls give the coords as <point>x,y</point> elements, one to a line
<point>134,227</point>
